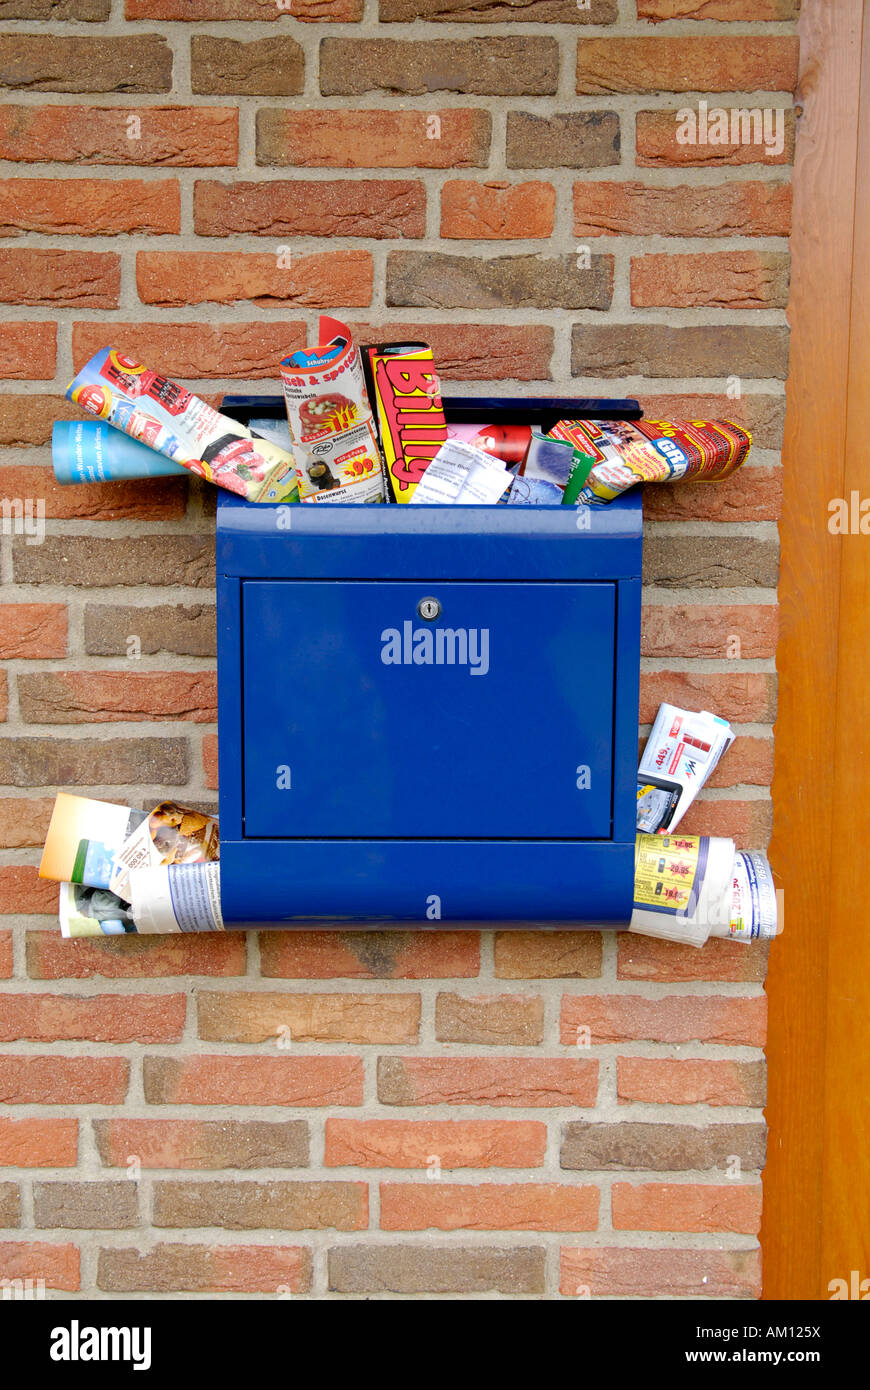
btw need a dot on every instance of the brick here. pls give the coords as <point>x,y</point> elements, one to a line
<point>374,139</point>
<point>205,1269</point>
<point>704,630</point>
<point>152,499</point>
<point>28,420</point>
<point>61,560</point>
<point>28,351</point>
<point>678,1019</point>
<point>497,12</point>
<point>183,629</point>
<point>175,136</point>
<point>6,955</point>
<point>10,1204</point>
<point>745,697</point>
<point>113,1018</point>
<point>238,351</point>
<point>55,1080</point>
<point>4,695</point>
<point>38,1143</point>
<point>747,823</point>
<point>519,1081</point>
<point>298,207</point>
<point>87,11</point>
<point>750,494</point>
<point>245,1206</point>
<point>669,962</point>
<point>52,63</point>
<point>22,891</point>
<point>751,10</point>
<point>567,140</point>
<point>742,63</point>
<point>410,1269</point>
<point>529,1206</point>
<point>224,1080</point>
<point>210,760</point>
<point>273,67</point>
<point>750,763</point>
<point>751,208</point>
<point>591,1146</point>
<point>658,146</point>
<point>236,1144</point>
<point>426,279</point>
<point>690,1081</point>
<point>502,1020</point>
<point>82,1206</point>
<point>645,1273</point>
<point>352,1018</point>
<point>477,351</point>
<point>84,762</point>
<point>454,1143</point>
<point>373,955</point>
<point>50,957</point>
<point>475,67</point>
<point>710,562</point>
<point>662,1206</point>
<point>57,1266</point>
<point>496,211</point>
<point>323,279</point>
<point>84,279</point>
<point>655,350</point>
<point>307,11</point>
<point>547,955</point>
<point>763,416</point>
<point>718,279</point>
<point>32,630</point>
<point>105,697</point>
<point>90,207</point>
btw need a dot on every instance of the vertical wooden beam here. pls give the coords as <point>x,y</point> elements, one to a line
<point>845,1244</point>
<point>818,586</point>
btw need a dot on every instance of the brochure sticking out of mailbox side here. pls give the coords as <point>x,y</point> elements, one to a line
<point>428,715</point>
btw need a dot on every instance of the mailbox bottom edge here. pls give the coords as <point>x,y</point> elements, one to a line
<point>392,884</point>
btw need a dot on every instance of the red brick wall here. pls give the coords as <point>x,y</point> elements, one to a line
<point>343,1113</point>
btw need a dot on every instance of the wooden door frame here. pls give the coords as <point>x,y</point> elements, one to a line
<point>816,1223</point>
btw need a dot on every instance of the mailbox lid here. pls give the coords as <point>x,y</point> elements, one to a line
<point>319,541</point>
<point>356,723</point>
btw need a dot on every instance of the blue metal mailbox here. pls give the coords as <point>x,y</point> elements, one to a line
<point>429,715</point>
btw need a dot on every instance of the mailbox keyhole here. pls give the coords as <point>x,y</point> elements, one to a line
<point>429,609</point>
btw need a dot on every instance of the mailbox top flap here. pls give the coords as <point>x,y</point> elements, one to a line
<point>407,542</point>
<point>398,541</point>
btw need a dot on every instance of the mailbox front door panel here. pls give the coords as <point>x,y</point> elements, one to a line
<point>491,720</point>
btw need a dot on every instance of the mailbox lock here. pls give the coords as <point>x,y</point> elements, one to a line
<point>429,609</point>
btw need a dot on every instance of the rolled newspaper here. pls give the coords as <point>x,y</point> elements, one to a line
<point>177,898</point>
<point>690,887</point>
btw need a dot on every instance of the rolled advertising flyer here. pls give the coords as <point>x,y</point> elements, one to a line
<point>660,451</point>
<point>405,396</point>
<point>690,887</point>
<point>682,751</point>
<point>332,428</point>
<point>87,911</point>
<point>183,427</point>
<point>92,451</point>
